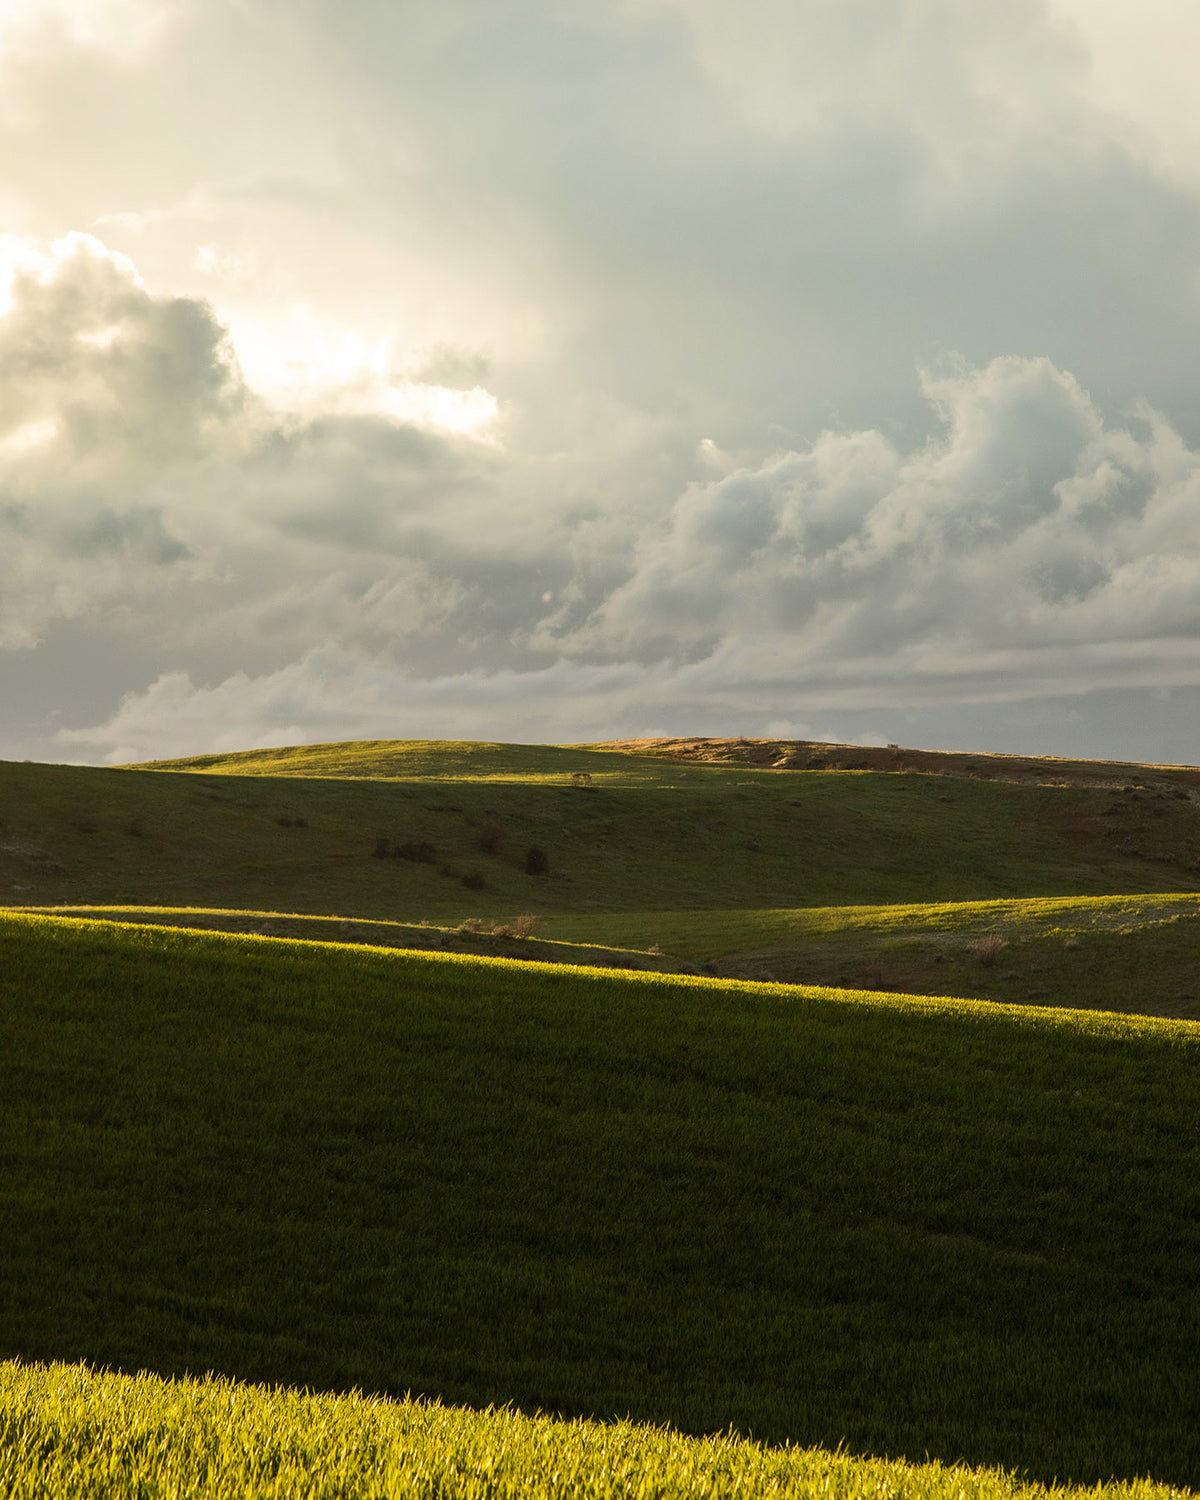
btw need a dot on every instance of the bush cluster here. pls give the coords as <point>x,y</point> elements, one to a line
<point>491,838</point>
<point>420,851</point>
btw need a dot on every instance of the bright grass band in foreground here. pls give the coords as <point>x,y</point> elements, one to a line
<point>67,1431</point>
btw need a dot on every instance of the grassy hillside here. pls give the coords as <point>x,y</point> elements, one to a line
<point>801,755</point>
<point>916,1226</point>
<point>432,760</point>
<point>1139,954</point>
<point>490,940</point>
<point>646,835</point>
<point>65,1430</point>
<point>1135,954</point>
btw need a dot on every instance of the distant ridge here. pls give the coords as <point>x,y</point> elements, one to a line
<point>988,765</point>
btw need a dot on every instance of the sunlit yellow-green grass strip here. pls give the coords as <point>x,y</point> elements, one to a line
<point>921,1226</point>
<point>709,934</point>
<point>1133,953</point>
<point>65,1430</point>
<point>448,760</point>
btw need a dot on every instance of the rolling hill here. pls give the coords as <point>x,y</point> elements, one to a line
<point>920,1197</point>
<point>913,1227</point>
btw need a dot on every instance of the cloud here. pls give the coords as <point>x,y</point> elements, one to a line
<point>125,377</point>
<point>140,473</point>
<point>333,694</point>
<point>457,358</point>
<point>1027,549</point>
<point>1026,525</point>
<point>123,28</point>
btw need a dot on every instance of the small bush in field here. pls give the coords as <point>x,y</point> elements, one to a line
<point>503,930</point>
<point>474,881</point>
<point>988,948</point>
<point>581,778</point>
<point>134,828</point>
<point>420,851</point>
<point>536,861</point>
<point>525,925</point>
<point>491,838</point>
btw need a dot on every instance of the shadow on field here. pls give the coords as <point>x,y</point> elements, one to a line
<point>913,1227</point>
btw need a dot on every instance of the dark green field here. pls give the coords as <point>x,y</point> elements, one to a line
<point>295,832</point>
<point>915,1227</point>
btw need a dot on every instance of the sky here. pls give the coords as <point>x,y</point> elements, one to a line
<point>507,370</point>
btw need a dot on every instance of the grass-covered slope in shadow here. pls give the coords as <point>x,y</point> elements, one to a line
<point>70,1431</point>
<point>647,836</point>
<point>1138,954</point>
<point>921,1227</point>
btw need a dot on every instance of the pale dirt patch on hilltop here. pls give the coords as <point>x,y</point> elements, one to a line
<point>813,755</point>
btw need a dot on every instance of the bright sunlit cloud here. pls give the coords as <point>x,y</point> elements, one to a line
<point>306,363</point>
<point>122,27</point>
<point>1142,67</point>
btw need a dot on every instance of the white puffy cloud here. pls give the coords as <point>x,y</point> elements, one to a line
<point>139,472</point>
<point>1027,549</point>
<point>99,374</point>
<point>334,694</point>
<point>1027,529</point>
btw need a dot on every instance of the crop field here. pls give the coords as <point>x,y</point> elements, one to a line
<point>912,1227</point>
<point>720,1114</point>
<point>67,1431</point>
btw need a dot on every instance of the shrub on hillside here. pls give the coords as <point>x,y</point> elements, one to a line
<point>536,861</point>
<point>988,948</point>
<point>419,851</point>
<point>491,838</point>
<point>474,881</point>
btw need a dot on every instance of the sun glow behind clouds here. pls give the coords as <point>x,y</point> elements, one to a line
<point>1142,68</point>
<point>123,27</point>
<point>23,255</point>
<point>304,362</point>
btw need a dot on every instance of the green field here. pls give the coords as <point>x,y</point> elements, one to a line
<point>1139,954</point>
<point>342,1141</point>
<point>912,1227</point>
<point>295,832</point>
